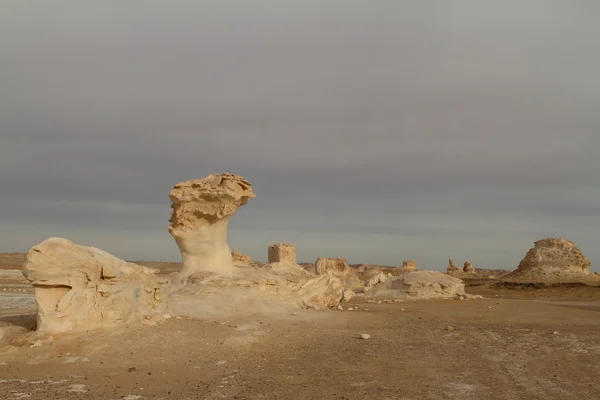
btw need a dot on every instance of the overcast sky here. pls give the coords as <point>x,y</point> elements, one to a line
<point>377,131</point>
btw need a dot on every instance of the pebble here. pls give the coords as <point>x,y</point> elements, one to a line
<point>339,307</point>
<point>449,328</point>
<point>365,336</point>
<point>555,333</point>
<point>350,309</point>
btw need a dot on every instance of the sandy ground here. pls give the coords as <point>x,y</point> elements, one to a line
<point>498,349</point>
<point>517,343</point>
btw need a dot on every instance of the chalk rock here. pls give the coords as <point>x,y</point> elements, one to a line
<point>468,268</point>
<point>81,288</point>
<point>375,280</point>
<point>340,268</point>
<point>409,265</point>
<point>369,269</point>
<point>336,266</point>
<point>553,260</point>
<point>347,295</point>
<point>282,253</point>
<point>240,258</point>
<point>324,290</point>
<point>269,290</point>
<point>452,269</point>
<point>201,212</point>
<point>419,285</point>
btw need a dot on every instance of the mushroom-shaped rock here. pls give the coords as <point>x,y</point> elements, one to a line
<point>240,258</point>
<point>419,285</point>
<point>407,266</point>
<point>82,288</point>
<point>282,253</point>
<point>468,268</point>
<point>553,260</point>
<point>201,212</point>
<point>452,268</point>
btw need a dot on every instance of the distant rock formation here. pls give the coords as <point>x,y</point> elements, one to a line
<point>240,258</point>
<point>452,269</point>
<point>282,253</point>
<point>336,266</point>
<point>416,285</point>
<point>82,288</point>
<point>553,260</point>
<point>368,269</point>
<point>201,212</point>
<point>409,265</point>
<point>468,268</point>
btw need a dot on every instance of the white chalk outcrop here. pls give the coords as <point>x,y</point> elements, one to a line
<point>201,212</point>
<point>282,253</point>
<point>553,260</point>
<point>416,285</point>
<point>82,288</point>
<point>239,258</point>
<point>468,268</point>
<point>335,266</point>
<point>338,267</point>
<point>452,268</point>
<point>409,265</point>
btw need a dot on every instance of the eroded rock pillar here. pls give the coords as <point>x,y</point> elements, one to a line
<point>201,212</point>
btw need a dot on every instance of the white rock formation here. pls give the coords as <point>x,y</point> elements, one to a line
<point>452,268</point>
<point>409,265</point>
<point>553,260</point>
<point>468,268</point>
<point>268,290</point>
<point>82,288</point>
<point>418,285</point>
<point>201,212</point>
<point>240,258</point>
<point>336,266</point>
<point>282,253</point>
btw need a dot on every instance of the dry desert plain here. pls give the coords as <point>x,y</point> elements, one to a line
<point>519,342</point>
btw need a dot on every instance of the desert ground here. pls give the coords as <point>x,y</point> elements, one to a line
<point>519,342</point>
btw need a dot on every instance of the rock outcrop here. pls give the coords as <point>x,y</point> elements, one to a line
<point>240,258</point>
<point>409,265</point>
<point>336,266</point>
<point>468,268</point>
<point>282,253</point>
<point>416,285</point>
<point>201,212</point>
<point>82,288</point>
<point>553,260</point>
<point>452,269</point>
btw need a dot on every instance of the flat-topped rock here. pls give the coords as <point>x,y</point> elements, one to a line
<point>282,253</point>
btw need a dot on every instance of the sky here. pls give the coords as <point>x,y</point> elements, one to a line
<point>377,131</point>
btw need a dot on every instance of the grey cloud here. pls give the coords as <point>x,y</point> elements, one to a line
<point>369,130</point>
